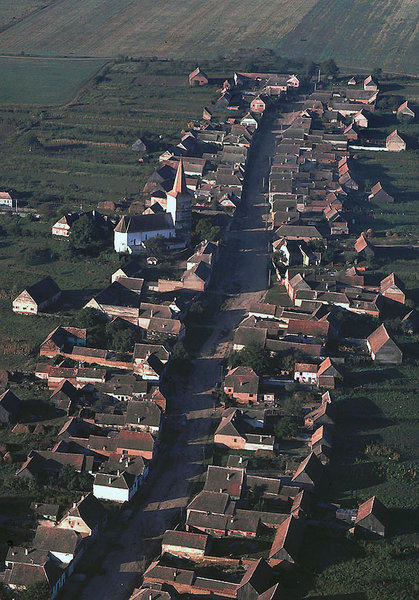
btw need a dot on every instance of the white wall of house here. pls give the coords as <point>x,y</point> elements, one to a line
<point>123,241</point>
<point>111,493</point>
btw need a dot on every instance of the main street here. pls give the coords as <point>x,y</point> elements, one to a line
<point>242,267</point>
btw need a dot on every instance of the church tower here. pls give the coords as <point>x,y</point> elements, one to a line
<point>179,205</point>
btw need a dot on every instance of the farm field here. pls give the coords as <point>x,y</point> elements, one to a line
<point>38,81</point>
<point>116,107</point>
<point>349,30</point>
<point>13,10</point>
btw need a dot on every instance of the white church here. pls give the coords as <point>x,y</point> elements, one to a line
<point>176,222</point>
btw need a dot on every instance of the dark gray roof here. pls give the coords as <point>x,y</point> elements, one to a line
<point>149,222</point>
<point>43,290</point>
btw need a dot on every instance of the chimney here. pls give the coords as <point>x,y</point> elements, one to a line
<point>26,551</point>
<point>126,464</point>
<point>74,504</point>
<point>109,480</point>
<point>118,473</point>
<point>240,459</point>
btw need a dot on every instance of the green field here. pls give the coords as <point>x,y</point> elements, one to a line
<point>115,108</point>
<point>349,30</point>
<point>43,81</point>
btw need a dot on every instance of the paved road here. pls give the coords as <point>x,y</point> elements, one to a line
<point>244,267</point>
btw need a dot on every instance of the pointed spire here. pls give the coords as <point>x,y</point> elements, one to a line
<point>179,186</point>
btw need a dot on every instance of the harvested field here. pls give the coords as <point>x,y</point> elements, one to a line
<point>41,81</point>
<point>348,30</point>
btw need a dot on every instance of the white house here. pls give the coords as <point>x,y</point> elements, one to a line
<point>120,481</point>
<point>6,199</point>
<point>131,232</point>
<point>305,373</point>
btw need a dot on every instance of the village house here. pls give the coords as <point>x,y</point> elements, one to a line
<point>87,516</point>
<point>392,288</point>
<point>305,373</point>
<point>404,110</point>
<point>62,339</point>
<point>129,269</point>
<point>242,384</point>
<point>27,566</point>
<point>382,348</point>
<point>395,142</point>
<point>234,432</point>
<point>117,301</point>
<point>62,227</point>
<point>185,544</point>
<point>370,84</point>
<point>149,360</point>
<point>221,479</point>
<point>198,77</point>
<point>371,519</point>
<point>259,104</point>
<point>287,542</point>
<point>364,247</point>
<point>37,297</point>
<point>309,473</point>
<point>378,194</point>
<point>63,544</point>
<point>9,407</point>
<point>6,199</point>
<point>50,463</point>
<point>119,481</point>
<point>65,397</point>
<point>143,415</point>
<point>362,119</point>
<point>325,414</point>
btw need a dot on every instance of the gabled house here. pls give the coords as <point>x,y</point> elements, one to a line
<point>65,545</point>
<point>371,518</point>
<point>150,360</point>
<point>327,374</point>
<point>197,77</point>
<point>242,384</point>
<point>130,269</point>
<point>62,339</point>
<point>382,348</point>
<point>378,194</point>
<point>362,118</point>
<point>392,288</point>
<point>306,373</point>
<point>9,407</point>
<point>223,479</point>
<point>325,414</point>
<point>287,542</point>
<point>259,104</point>
<point>37,297</point>
<point>6,199</point>
<point>117,301</point>
<point>404,110</point>
<point>395,142</point>
<point>87,516</point>
<point>65,397</point>
<point>120,480</point>
<point>132,231</point>
<point>258,578</point>
<point>309,473</point>
<point>370,83</point>
<point>364,247</point>
<point>143,415</point>
<point>27,566</point>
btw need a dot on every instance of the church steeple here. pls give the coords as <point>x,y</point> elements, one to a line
<point>179,186</point>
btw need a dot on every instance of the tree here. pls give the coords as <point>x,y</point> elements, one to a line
<point>329,68</point>
<point>286,428</point>
<point>36,591</point>
<point>205,230</point>
<point>293,406</point>
<point>121,336</point>
<point>156,246</point>
<point>377,73</point>
<point>83,234</point>
<point>254,355</point>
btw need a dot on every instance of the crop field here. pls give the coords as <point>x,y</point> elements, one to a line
<point>12,11</point>
<point>350,30</point>
<point>115,108</point>
<point>359,33</point>
<point>43,81</point>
